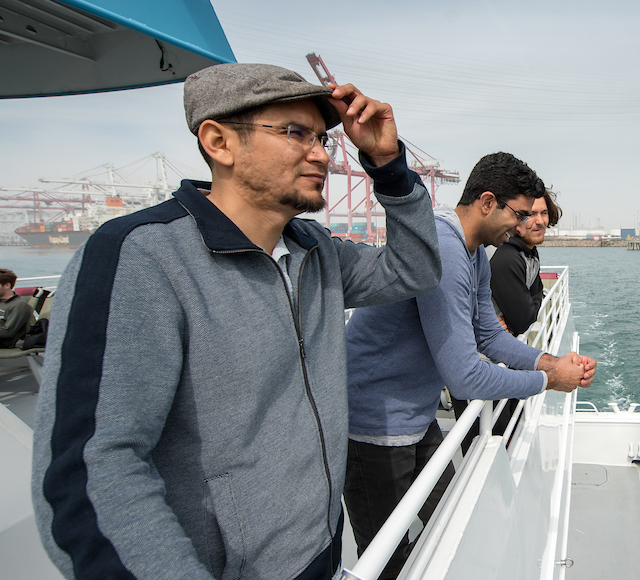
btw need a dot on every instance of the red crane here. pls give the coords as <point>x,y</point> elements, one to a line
<point>359,201</point>
<point>39,201</point>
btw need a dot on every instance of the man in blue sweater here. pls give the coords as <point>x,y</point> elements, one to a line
<point>400,355</point>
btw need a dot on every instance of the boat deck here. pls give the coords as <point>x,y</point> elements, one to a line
<point>604,525</point>
<point>18,389</point>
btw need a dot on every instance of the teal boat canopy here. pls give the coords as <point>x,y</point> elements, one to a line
<point>66,47</point>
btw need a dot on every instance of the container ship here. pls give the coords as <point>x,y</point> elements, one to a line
<point>52,235</point>
<point>76,229</point>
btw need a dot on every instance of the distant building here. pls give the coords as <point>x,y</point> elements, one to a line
<point>585,234</point>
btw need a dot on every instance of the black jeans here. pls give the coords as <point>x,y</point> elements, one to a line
<point>377,479</point>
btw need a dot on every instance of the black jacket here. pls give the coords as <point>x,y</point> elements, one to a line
<point>516,286</point>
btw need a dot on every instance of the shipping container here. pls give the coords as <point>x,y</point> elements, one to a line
<point>627,233</point>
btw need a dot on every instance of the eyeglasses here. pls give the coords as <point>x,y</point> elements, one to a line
<point>296,135</point>
<point>522,217</point>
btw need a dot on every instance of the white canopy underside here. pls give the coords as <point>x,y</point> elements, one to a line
<point>53,48</point>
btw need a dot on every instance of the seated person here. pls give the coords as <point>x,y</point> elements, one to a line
<point>401,355</point>
<point>14,311</point>
<point>516,287</point>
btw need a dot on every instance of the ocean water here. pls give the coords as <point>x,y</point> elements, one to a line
<point>602,288</point>
<point>606,312</point>
<point>29,262</point>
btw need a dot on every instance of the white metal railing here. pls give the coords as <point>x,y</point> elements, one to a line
<point>47,282</point>
<point>558,533</point>
<point>588,407</point>
<point>564,494</point>
<point>553,315</point>
<point>382,547</point>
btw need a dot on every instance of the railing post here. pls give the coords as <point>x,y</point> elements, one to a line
<point>486,416</point>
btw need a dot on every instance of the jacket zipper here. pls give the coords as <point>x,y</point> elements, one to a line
<point>297,323</point>
<point>314,407</point>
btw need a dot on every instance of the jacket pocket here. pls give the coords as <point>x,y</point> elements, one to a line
<point>222,513</point>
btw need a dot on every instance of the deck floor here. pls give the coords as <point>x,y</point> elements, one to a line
<point>18,389</point>
<point>604,525</point>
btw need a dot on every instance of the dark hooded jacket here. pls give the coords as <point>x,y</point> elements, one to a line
<point>516,286</point>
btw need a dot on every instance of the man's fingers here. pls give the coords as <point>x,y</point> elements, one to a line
<point>362,109</point>
<point>358,106</point>
<point>585,383</point>
<point>372,109</point>
<point>342,91</point>
<point>349,101</point>
<point>343,96</point>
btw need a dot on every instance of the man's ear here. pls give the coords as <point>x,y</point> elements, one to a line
<point>214,138</point>
<point>487,200</point>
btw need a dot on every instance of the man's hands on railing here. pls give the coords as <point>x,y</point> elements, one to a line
<point>568,372</point>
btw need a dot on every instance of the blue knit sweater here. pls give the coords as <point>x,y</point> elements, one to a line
<point>400,355</point>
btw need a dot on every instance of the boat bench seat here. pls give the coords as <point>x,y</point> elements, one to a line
<point>33,354</point>
<point>37,296</point>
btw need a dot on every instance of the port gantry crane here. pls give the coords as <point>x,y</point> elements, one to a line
<point>366,206</point>
<point>104,182</point>
<point>39,201</point>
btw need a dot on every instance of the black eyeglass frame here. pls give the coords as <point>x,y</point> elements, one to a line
<point>522,218</point>
<point>322,139</point>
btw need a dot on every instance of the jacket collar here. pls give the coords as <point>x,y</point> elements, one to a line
<point>517,242</point>
<point>5,300</point>
<point>218,232</point>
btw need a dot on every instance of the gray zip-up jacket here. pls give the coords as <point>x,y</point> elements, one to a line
<point>192,420</point>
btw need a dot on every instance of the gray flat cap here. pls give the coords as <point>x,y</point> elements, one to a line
<point>226,89</point>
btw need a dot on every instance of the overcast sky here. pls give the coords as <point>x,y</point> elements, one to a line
<point>555,83</point>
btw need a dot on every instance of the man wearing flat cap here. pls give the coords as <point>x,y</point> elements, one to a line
<point>192,420</point>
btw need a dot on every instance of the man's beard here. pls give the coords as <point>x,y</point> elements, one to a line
<point>303,204</point>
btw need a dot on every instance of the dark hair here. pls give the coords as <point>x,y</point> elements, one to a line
<point>555,211</point>
<point>503,175</point>
<point>244,131</point>
<point>7,276</point>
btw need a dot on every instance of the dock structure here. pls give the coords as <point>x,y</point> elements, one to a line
<point>633,243</point>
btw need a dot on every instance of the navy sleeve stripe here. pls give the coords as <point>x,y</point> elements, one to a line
<point>74,526</point>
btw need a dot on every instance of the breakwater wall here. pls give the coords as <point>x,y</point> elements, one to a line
<point>572,243</point>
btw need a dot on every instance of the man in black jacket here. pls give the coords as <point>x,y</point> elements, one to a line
<point>516,286</point>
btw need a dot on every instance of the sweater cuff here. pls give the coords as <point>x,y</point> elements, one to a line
<point>394,178</point>
<point>545,382</point>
